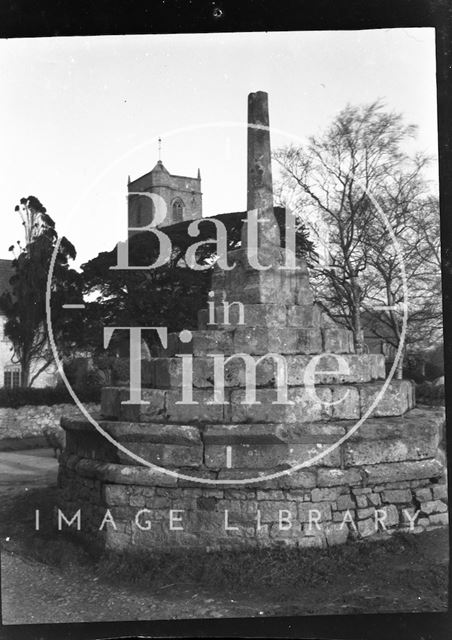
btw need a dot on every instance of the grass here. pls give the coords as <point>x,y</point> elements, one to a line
<point>404,564</point>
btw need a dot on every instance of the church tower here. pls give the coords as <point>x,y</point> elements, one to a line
<point>182,196</point>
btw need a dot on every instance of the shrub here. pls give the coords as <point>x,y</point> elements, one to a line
<point>21,396</point>
<point>428,393</point>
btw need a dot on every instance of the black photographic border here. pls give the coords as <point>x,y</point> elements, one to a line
<point>25,18</point>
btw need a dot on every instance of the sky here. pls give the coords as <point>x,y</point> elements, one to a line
<point>78,115</point>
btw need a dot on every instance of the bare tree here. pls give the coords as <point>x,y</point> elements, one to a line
<point>351,185</point>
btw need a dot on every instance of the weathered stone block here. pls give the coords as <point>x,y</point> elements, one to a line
<point>254,315</point>
<point>337,340</point>
<point>175,434</point>
<point>306,407</point>
<point>396,400</point>
<point>376,451</point>
<point>345,403</point>
<point>411,437</point>
<point>264,456</point>
<point>304,508</point>
<point>137,501</point>
<point>345,502</point>
<point>338,477</point>
<point>300,453</point>
<point>270,495</point>
<point>365,513</point>
<point>202,411</point>
<point>302,478</point>
<point>205,342</point>
<point>347,515</point>
<point>414,425</point>
<point>268,433</point>
<point>399,471</point>
<point>245,456</point>
<point>439,519</point>
<point>305,315</point>
<point>319,495</point>
<point>361,501</point>
<point>231,434</point>
<point>391,515</point>
<point>335,369</point>
<point>287,340</point>
<point>423,495</point>
<point>202,343</point>
<point>236,372</point>
<point>153,411</point>
<point>165,455</point>
<point>269,509</point>
<point>115,494</point>
<point>439,492</point>
<point>273,286</point>
<point>123,474</point>
<point>397,495</point>
<point>433,506</point>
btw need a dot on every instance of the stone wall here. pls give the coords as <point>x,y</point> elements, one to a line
<point>387,473</point>
<point>30,420</point>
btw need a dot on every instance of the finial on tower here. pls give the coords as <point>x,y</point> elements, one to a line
<point>160,149</point>
<point>199,174</point>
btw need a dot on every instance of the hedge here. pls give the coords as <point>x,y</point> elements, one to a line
<point>21,396</point>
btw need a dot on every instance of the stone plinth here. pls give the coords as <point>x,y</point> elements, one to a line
<point>385,473</point>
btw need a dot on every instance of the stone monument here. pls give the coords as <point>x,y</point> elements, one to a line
<point>237,415</point>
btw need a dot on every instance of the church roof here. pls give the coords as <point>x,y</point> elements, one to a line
<point>160,168</point>
<point>6,272</point>
<point>160,172</point>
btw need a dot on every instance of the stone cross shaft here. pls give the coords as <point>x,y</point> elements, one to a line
<point>260,184</point>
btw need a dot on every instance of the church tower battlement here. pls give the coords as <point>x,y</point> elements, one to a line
<point>182,195</point>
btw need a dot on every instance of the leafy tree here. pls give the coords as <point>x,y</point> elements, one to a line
<point>338,184</point>
<point>24,305</point>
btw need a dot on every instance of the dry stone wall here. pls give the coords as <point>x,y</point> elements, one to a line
<point>30,420</point>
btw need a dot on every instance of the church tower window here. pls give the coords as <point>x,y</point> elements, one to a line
<point>178,210</point>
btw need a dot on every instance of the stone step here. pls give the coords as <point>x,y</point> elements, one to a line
<point>417,424</point>
<point>322,402</point>
<point>261,340</point>
<point>401,441</point>
<point>347,368</point>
